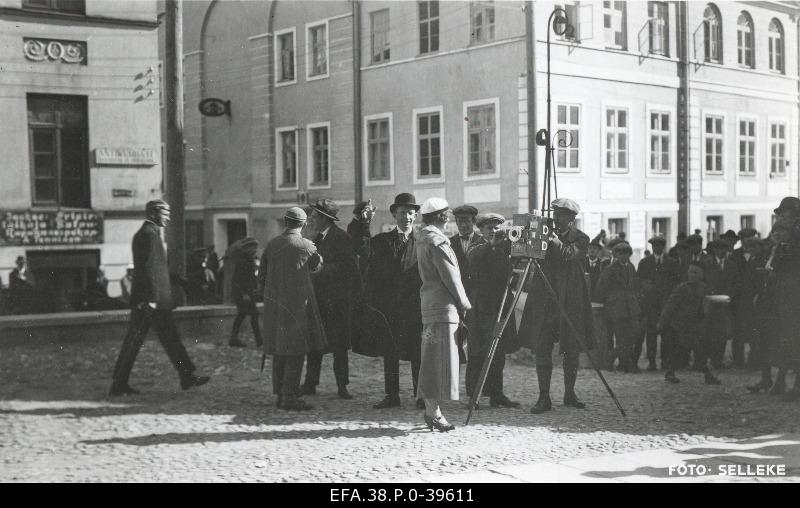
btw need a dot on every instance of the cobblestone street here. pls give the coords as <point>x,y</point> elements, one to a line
<point>57,424</point>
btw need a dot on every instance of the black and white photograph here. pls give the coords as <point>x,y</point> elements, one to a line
<point>399,250</point>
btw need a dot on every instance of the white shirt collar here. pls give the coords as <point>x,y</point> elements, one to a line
<point>325,232</point>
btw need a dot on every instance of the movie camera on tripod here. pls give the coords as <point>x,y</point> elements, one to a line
<point>529,234</point>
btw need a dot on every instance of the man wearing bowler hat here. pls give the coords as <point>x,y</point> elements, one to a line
<point>334,286</point>
<point>392,287</point>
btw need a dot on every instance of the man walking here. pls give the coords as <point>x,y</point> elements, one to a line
<point>151,303</point>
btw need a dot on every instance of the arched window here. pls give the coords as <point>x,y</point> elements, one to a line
<point>712,34</point>
<point>776,46</point>
<point>745,38</point>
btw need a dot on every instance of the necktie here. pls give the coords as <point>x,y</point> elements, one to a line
<point>319,238</point>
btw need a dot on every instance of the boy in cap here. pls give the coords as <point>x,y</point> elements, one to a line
<point>722,278</point>
<point>465,216</point>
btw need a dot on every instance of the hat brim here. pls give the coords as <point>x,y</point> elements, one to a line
<point>437,211</point>
<point>394,206</point>
<point>565,210</point>
<point>326,214</point>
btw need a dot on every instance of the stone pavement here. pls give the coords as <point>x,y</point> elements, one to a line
<point>57,424</point>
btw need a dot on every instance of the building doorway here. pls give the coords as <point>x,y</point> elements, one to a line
<point>61,276</point>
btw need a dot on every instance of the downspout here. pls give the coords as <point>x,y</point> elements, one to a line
<point>684,137</point>
<point>530,62</point>
<point>357,148</point>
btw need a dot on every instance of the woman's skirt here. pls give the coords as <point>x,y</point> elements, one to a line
<point>438,371</point>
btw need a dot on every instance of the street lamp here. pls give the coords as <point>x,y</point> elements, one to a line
<point>559,21</point>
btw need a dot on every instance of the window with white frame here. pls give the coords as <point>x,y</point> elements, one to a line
<point>568,118</point>
<point>428,11</point>
<point>286,155</point>
<point>744,38</point>
<point>713,136</point>
<point>747,147</point>
<point>616,226</point>
<point>481,21</point>
<point>286,57</point>
<point>320,153</point>
<point>481,139</point>
<point>317,50</point>
<point>658,15</point>
<point>380,36</point>
<point>775,35</point>
<point>660,227</point>
<point>614,23</point>
<point>659,142</point>
<point>573,16</point>
<point>777,149</point>
<point>379,149</point>
<point>712,34</point>
<point>616,140</point>
<point>429,145</point>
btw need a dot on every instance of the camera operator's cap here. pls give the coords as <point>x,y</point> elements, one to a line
<point>746,233</point>
<point>567,205</point>
<point>327,207</point>
<point>465,210</point>
<point>404,199</point>
<point>156,204</point>
<point>622,247</point>
<point>490,218</point>
<point>296,213</point>
<point>790,203</point>
<point>657,240</point>
<point>694,240</point>
<point>434,205</point>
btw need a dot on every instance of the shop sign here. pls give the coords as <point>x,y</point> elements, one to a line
<point>63,227</point>
<point>124,157</point>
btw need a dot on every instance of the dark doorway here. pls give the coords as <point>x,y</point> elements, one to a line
<point>61,276</point>
<point>237,229</point>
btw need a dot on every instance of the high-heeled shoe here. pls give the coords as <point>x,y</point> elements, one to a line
<point>442,425</point>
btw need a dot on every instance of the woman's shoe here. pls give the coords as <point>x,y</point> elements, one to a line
<point>440,424</point>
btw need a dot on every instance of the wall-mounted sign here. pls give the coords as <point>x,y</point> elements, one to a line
<point>125,157</point>
<point>40,50</point>
<point>214,107</point>
<point>50,228</point>
<point>122,193</point>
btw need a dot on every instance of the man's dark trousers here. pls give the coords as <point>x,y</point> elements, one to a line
<point>391,374</point>
<point>286,374</point>
<point>494,379</point>
<point>164,323</point>
<point>340,368</point>
<point>650,337</point>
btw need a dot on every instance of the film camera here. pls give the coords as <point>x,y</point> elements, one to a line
<point>529,234</point>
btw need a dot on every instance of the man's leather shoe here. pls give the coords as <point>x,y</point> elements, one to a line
<point>502,401</point>
<point>296,405</point>
<point>194,381</point>
<point>542,405</point>
<point>344,394</point>
<point>116,391</point>
<point>571,400</point>
<point>308,390</point>
<point>420,404</point>
<point>387,402</point>
<point>236,343</point>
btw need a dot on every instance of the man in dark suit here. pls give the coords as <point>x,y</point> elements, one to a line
<point>592,268</point>
<point>695,255</point>
<point>722,278</point>
<point>335,286</point>
<point>750,261</point>
<point>151,303</point>
<point>593,265</point>
<point>658,276</point>
<point>466,238</point>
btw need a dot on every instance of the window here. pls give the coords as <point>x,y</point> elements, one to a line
<point>660,227</point>
<point>379,36</point>
<point>70,6</point>
<point>777,149</point>
<point>429,145</point>
<point>379,149</point>
<point>59,147</point>
<point>747,222</point>
<point>574,12</point>
<point>659,142</point>
<point>481,139</point>
<point>319,154</point>
<point>776,46</point>
<point>615,227</point>
<point>428,26</point>
<point>317,51</point>
<point>286,154</point>
<point>744,38</point>
<point>714,223</point>
<point>658,15</point>
<point>614,22</point>
<point>713,144</point>
<point>712,34</point>
<point>617,140</point>
<point>482,21</point>
<point>747,147</point>
<point>286,59</point>
<point>568,142</point>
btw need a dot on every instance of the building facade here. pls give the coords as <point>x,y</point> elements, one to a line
<point>81,139</point>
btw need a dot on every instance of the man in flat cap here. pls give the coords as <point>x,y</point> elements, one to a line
<point>695,254</point>
<point>465,216</point>
<point>335,286</point>
<point>721,276</point>
<point>542,323</point>
<point>151,304</point>
<point>658,274</point>
<point>292,321</point>
<point>490,268</point>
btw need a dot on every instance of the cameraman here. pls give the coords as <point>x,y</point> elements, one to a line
<point>542,324</point>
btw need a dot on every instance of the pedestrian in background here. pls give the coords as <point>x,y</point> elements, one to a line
<point>593,267</point>
<point>749,259</point>
<point>722,279</point>
<point>126,285</point>
<point>244,286</point>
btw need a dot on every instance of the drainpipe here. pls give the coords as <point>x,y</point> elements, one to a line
<point>530,62</point>
<point>357,148</point>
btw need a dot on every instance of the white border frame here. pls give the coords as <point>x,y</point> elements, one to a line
<point>757,155</point>
<point>276,55</point>
<point>562,101</point>
<point>279,158</point>
<point>415,144</point>
<point>495,101</point>
<point>604,170</point>
<point>786,122</point>
<point>673,142</point>
<point>365,155</point>
<point>308,27</point>
<point>705,113</point>
<point>310,156</point>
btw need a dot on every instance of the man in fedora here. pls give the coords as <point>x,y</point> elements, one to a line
<point>392,287</point>
<point>335,286</point>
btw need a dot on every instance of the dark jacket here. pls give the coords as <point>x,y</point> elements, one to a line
<point>657,282</point>
<point>394,290</point>
<point>721,281</point>
<point>150,272</point>
<point>684,312</point>
<point>461,256</point>
<point>360,236</point>
<point>618,290</point>
<point>687,260</point>
<point>786,264</point>
<point>336,286</point>
<point>244,278</point>
<point>594,273</point>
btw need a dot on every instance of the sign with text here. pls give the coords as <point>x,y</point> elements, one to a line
<point>125,157</point>
<point>63,227</point>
